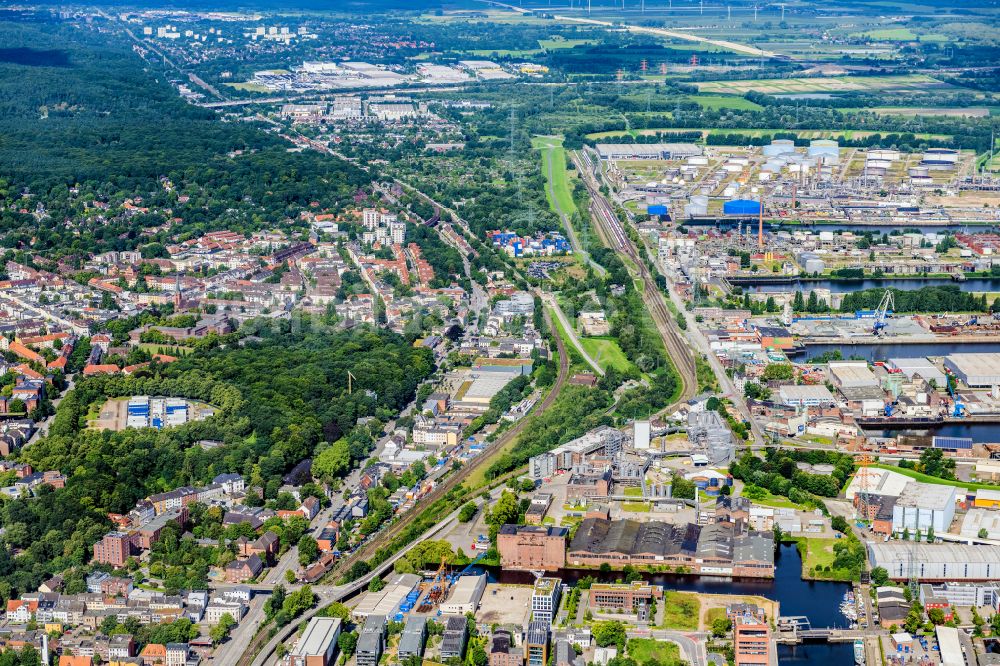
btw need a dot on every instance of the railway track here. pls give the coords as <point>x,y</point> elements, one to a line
<point>611,228</point>
<point>386,536</point>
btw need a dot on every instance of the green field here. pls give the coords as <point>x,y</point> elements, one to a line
<point>503,53</point>
<point>169,350</point>
<point>818,552</point>
<point>911,83</point>
<point>643,650</point>
<point>636,507</point>
<point>632,491</point>
<point>901,35</point>
<point>607,353</point>
<point>249,87</point>
<point>559,43</point>
<point>716,102</point>
<point>681,610</point>
<point>558,193</point>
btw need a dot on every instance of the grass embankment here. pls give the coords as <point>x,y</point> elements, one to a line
<point>925,478</point>
<point>606,352</point>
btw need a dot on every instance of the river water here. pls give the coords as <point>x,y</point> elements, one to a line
<point>818,600</point>
<point>847,286</point>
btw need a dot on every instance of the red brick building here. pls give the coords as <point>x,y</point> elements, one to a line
<point>751,642</point>
<point>532,547</point>
<point>114,549</point>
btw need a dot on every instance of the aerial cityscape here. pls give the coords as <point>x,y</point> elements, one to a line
<point>482,333</point>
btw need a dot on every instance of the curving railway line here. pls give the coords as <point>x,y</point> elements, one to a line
<point>611,227</point>
<point>386,535</point>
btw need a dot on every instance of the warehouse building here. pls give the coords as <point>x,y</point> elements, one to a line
<point>713,549</point>
<point>950,647</point>
<point>852,374</point>
<point>936,562</point>
<point>912,367</point>
<point>922,506</point>
<point>317,644</point>
<point>647,151</point>
<point>977,520</point>
<point>975,370</point>
<point>532,547</point>
<point>874,481</point>
<point>806,395</point>
<point>465,595</point>
<point>386,601</point>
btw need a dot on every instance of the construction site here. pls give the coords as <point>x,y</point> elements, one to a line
<point>445,591</point>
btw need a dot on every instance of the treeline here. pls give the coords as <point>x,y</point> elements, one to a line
<point>277,400</point>
<point>778,473</point>
<point>946,298</point>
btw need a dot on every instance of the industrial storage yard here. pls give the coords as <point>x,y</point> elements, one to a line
<point>146,412</point>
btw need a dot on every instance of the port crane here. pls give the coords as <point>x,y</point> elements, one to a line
<point>882,312</point>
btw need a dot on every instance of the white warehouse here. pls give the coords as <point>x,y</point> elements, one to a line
<point>936,562</point>
<point>922,506</point>
<point>975,370</point>
<point>465,595</point>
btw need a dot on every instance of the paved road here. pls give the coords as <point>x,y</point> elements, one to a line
<point>658,32</point>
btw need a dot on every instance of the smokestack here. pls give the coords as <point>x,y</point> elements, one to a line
<point>760,227</point>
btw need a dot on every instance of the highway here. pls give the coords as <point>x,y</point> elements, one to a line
<point>610,226</point>
<point>644,30</point>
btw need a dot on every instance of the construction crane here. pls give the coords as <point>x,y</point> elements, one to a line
<point>882,312</point>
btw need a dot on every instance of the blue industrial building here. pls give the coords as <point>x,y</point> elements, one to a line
<point>741,207</point>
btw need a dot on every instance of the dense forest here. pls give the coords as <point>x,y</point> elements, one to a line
<point>280,399</point>
<point>83,120</point>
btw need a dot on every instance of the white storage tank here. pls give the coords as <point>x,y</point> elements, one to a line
<point>778,147</point>
<point>698,160</point>
<point>880,154</point>
<point>825,149</point>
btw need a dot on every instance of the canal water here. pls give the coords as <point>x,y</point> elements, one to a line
<point>881,352</point>
<point>817,600</point>
<point>985,433</point>
<point>847,286</point>
<point>725,223</point>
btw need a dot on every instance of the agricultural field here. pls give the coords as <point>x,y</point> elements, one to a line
<point>716,102</point>
<point>910,83</point>
<point>900,35</point>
